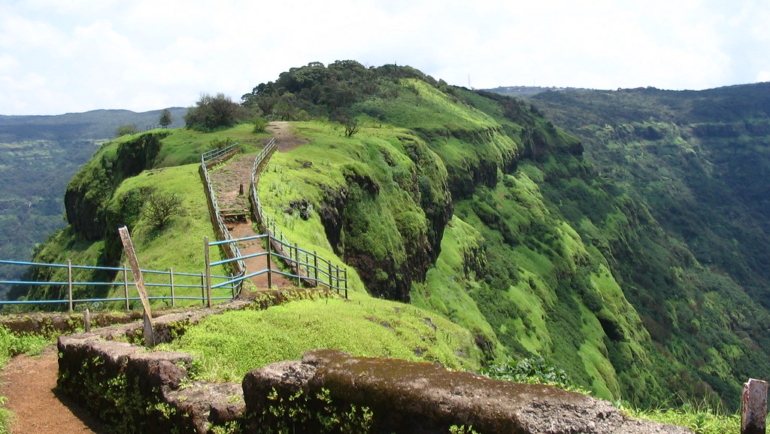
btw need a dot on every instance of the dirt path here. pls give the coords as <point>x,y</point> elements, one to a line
<point>227,183</point>
<point>285,139</point>
<point>28,382</point>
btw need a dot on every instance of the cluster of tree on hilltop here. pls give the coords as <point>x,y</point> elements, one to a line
<point>329,91</point>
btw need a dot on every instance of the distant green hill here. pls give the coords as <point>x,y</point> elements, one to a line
<point>38,156</point>
<point>580,249</point>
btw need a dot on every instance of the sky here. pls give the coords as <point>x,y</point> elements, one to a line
<point>69,56</point>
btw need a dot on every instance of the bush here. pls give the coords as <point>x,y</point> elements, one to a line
<point>161,207</point>
<point>126,129</point>
<point>259,124</point>
<point>529,370</point>
<point>214,112</point>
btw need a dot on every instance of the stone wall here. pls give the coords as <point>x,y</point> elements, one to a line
<point>327,391</point>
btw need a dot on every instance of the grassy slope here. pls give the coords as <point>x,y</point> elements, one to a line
<point>285,332</point>
<point>527,318</point>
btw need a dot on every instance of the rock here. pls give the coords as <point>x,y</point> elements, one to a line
<point>411,397</point>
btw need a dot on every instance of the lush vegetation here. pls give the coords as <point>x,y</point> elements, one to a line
<point>474,206</point>
<point>38,157</point>
<point>115,188</point>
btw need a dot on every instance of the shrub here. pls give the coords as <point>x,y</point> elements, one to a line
<point>161,207</point>
<point>126,129</point>
<point>214,112</point>
<point>259,124</point>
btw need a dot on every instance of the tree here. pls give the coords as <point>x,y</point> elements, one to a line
<point>161,207</point>
<point>213,112</point>
<point>165,118</point>
<point>126,129</point>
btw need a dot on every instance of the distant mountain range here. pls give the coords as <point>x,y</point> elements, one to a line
<point>38,156</point>
<point>527,91</point>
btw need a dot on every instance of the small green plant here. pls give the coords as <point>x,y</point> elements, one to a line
<point>314,412</point>
<point>462,429</point>
<point>700,419</point>
<point>529,370</point>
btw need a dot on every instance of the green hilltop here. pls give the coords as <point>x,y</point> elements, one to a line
<point>468,205</point>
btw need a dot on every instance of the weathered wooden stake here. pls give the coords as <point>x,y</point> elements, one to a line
<point>69,283</point>
<point>754,407</point>
<point>87,320</point>
<point>128,246</point>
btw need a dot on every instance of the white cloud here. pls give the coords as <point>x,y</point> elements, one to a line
<point>84,55</point>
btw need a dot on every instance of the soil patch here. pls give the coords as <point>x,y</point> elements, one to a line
<point>285,139</point>
<point>29,384</point>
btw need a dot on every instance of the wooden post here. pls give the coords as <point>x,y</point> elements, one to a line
<point>208,271</point>
<point>330,275</point>
<point>128,246</point>
<point>269,254</point>
<point>345,276</point>
<point>754,407</point>
<point>87,321</point>
<point>171,277</point>
<point>69,283</point>
<point>125,285</point>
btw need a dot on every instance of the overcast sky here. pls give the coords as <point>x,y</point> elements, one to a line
<point>59,56</point>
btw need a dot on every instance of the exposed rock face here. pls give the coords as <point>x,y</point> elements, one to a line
<point>409,397</point>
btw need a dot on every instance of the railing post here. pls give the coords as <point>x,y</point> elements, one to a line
<point>330,275</point>
<point>337,276</point>
<point>171,277</point>
<point>69,283</point>
<point>269,254</point>
<point>208,271</point>
<point>345,275</point>
<point>203,289</point>
<point>315,267</point>
<point>125,286</point>
<point>296,263</point>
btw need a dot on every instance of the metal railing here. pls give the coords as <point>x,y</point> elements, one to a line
<point>266,224</point>
<point>307,267</point>
<point>230,250</point>
<point>171,281</point>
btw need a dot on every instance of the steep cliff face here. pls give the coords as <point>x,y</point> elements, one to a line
<point>695,249</point>
<point>90,190</point>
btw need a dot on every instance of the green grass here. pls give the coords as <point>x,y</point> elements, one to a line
<point>699,420</point>
<point>161,249</point>
<point>231,344</point>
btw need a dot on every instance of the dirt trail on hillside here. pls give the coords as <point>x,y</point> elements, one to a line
<point>228,181</point>
<point>29,383</point>
<point>285,140</point>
